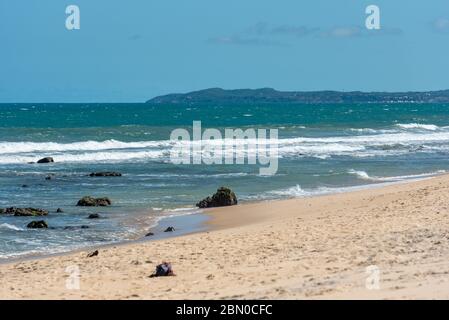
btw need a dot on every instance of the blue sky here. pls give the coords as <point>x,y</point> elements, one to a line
<point>134,50</point>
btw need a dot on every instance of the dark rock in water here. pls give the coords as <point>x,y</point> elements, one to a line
<point>94,216</point>
<point>25,186</point>
<point>59,210</point>
<point>170,229</point>
<point>31,162</point>
<point>94,202</point>
<point>46,160</point>
<point>37,225</point>
<point>24,212</point>
<point>105,174</point>
<point>205,203</point>
<point>75,227</point>
<point>93,254</point>
<point>48,178</point>
<point>149,234</point>
<point>222,198</point>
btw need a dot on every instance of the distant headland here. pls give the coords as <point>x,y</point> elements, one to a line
<point>269,95</point>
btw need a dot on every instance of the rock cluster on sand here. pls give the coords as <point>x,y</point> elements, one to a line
<point>94,202</point>
<point>105,174</point>
<point>92,254</point>
<point>222,198</point>
<point>37,225</point>
<point>46,160</point>
<point>24,212</point>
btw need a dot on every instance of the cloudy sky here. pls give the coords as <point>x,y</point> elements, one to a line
<point>134,50</point>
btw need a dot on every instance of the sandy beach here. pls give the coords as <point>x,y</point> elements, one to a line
<point>313,248</point>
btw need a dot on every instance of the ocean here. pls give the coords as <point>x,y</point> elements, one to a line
<point>322,149</point>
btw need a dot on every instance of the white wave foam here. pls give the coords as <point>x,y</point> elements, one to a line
<point>430,127</point>
<point>363,130</point>
<point>177,212</point>
<point>10,227</point>
<point>184,209</point>
<point>88,157</point>
<point>361,174</point>
<point>295,191</point>
<point>26,147</point>
<point>372,143</point>
<point>364,176</point>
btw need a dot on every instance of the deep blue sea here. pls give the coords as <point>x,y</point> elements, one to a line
<point>322,149</point>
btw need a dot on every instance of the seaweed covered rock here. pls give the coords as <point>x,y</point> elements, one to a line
<point>94,202</point>
<point>24,212</point>
<point>222,198</point>
<point>37,225</point>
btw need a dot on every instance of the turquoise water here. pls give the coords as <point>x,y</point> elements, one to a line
<point>322,149</point>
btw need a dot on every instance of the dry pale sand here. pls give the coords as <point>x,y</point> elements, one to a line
<point>314,248</point>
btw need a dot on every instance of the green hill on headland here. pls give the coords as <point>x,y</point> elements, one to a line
<point>268,95</point>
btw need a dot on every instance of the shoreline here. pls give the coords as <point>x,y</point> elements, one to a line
<point>204,222</point>
<point>315,247</point>
<point>188,227</point>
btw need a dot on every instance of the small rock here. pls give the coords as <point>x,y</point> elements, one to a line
<point>37,225</point>
<point>105,174</point>
<point>149,234</point>
<point>94,202</point>
<point>24,212</point>
<point>46,160</point>
<point>25,186</point>
<point>93,254</point>
<point>94,216</point>
<point>163,270</point>
<point>170,229</point>
<point>59,210</point>
<point>48,178</point>
<point>76,227</point>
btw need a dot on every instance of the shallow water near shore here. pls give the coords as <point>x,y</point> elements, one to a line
<point>322,149</point>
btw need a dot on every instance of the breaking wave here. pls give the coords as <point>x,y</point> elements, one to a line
<point>365,176</point>
<point>364,142</point>
<point>10,227</point>
<point>430,127</point>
